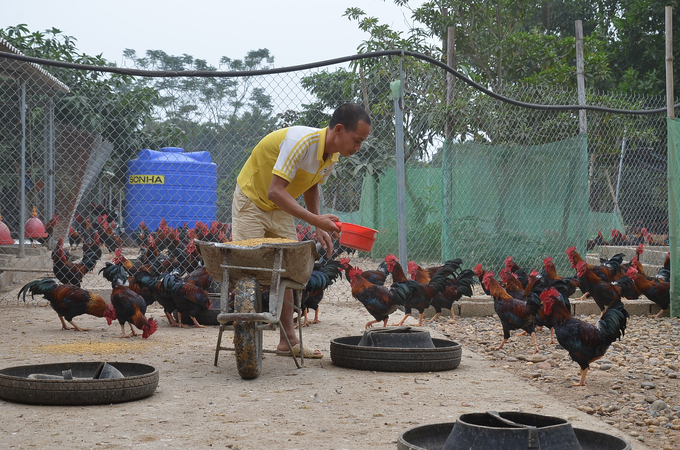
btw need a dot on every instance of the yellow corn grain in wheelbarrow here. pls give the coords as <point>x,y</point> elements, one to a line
<point>258,241</point>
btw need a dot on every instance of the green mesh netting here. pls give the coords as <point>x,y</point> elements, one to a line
<point>673,207</point>
<point>526,201</point>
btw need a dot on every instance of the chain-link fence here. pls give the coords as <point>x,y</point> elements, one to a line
<point>125,158</point>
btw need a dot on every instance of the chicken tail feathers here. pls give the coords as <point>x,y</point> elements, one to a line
<point>615,262</point>
<point>465,281</point>
<point>612,325</point>
<point>406,290</point>
<point>439,279</point>
<point>145,279</point>
<point>115,274</point>
<point>453,263</point>
<point>173,284</point>
<point>43,286</point>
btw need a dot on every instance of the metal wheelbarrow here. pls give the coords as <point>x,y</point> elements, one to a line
<point>278,266</point>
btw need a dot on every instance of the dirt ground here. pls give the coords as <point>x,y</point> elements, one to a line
<point>319,406</point>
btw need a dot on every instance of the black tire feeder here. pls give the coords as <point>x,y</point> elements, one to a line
<point>139,381</point>
<point>396,350</point>
<point>509,431</point>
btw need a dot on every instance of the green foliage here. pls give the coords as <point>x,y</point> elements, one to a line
<point>542,59</point>
<point>530,41</point>
<point>637,53</point>
<point>225,116</point>
<point>114,106</point>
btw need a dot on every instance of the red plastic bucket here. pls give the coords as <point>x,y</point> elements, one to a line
<point>356,236</point>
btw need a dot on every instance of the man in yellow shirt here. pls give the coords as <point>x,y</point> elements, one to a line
<point>285,164</point>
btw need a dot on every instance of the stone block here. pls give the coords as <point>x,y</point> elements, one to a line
<point>651,255</point>
<point>19,271</point>
<point>476,308</point>
<point>592,259</point>
<point>638,307</point>
<point>586,307</point>
<point>14,249</point>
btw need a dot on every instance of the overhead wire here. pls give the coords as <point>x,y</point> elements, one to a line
<point>324,63</point>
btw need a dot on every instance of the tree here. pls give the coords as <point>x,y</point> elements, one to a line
<point>638,49</point>
<point>110,104</point>
<point>225,116</point>
<point>99,104</point>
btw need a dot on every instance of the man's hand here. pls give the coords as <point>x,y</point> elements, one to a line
<point>324,224</point>
<point>325,241</point>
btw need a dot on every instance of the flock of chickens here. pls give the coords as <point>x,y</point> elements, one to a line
<point>170,271</point>
<point>523,301</point>
<point>541,299</point>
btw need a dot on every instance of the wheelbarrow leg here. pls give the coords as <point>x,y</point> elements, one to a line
<point>290,346</point>
<point>224,304</point>
<point>219,342</point>
<point>297,295</point>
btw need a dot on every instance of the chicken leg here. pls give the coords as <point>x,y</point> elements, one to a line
<point>659,314</point>
<point>122,332</point>
<point>63,323</point>
<point>370,324</point>
<point>435,317</point>
<point>299,319</point>
<point>77,328</point>
<point>171,320</point>
<point>179,321</point>
<point>403,319</point>
<point>66,327</point>
<point>583,378</point>
<point>533,336</point>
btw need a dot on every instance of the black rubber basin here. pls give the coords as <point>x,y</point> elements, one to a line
<point>346,352</point>
<point>511,431</point>
<point>139,381</point>
<point>434,437</point>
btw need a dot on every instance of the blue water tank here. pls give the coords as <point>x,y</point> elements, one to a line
<point>180,187</point>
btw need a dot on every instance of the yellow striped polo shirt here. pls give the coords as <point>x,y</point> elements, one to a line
<point>295,154</point>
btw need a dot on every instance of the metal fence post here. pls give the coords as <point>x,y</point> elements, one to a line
<point>447,157</point>
<point>22,175</point>
<point>397,88</point>
<point>672,161</point>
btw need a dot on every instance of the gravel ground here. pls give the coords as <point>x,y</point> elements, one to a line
<point>634,388</point>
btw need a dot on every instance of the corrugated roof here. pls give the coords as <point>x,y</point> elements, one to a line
<point>26,71</point>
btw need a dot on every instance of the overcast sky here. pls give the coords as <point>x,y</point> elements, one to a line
<point>295,31</point>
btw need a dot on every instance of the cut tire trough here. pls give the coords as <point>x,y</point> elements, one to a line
<point>139,381</point>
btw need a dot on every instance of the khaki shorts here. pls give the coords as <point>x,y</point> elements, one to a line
<point>248,221</point>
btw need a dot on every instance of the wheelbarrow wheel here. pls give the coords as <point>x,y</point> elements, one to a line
<point>247,337</point>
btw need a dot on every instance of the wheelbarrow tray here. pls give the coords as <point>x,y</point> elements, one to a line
<point>298,260</point>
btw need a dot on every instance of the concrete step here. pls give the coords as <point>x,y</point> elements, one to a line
<point>652,258</point>
<point>651,254</point>
<point>481,306</point>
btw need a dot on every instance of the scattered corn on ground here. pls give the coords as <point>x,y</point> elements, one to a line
<point>95,348</point>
